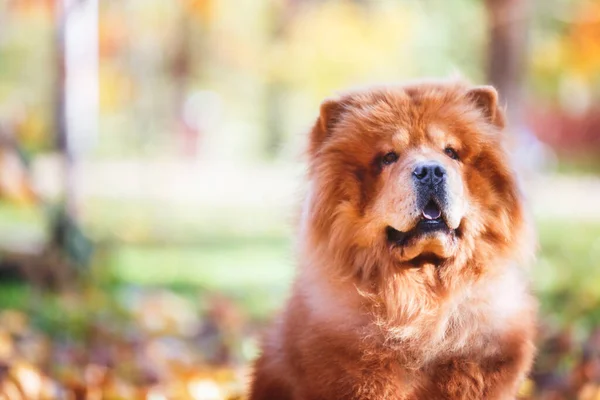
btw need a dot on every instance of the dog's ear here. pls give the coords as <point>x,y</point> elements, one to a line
<point>330,113</point>
<point>485,99</point>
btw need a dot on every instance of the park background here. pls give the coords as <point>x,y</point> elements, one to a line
<point>151,167</point>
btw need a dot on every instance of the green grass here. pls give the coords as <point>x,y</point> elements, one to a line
<point>254,271</point>
<point>567,275</point>
<point>240,266</point>
<point>581,164</point>
<point>14,295</point>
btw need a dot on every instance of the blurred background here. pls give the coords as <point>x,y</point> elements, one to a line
<point>151,167</point>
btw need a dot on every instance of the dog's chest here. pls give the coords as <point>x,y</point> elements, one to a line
<point>474,320</point>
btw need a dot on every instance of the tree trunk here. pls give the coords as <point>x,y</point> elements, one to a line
<point>508,22</point>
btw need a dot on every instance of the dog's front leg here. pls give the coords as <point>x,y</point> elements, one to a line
<point>494,378</point>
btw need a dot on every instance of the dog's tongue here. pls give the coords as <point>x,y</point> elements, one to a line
<point>431,211</point>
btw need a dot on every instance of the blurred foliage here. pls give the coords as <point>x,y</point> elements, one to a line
<point>569,258</point>
<point>136,345</point>
<point>204,78</point>
<point>565,59</point>
<point>26,95</point>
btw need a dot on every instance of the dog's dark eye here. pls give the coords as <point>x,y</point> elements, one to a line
<point>389,158</point>
<point>450,152</point>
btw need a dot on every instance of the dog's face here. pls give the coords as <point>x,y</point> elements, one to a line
<point>407,177</point>
<point>421,200</point>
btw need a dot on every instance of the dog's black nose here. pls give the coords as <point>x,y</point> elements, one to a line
<point>429,173</point>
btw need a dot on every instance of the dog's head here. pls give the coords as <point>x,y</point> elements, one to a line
<point>412,180</point>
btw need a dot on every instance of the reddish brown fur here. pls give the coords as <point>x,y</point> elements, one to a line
<point>365,322</point>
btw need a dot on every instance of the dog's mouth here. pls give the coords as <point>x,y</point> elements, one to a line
<point>431,221</point>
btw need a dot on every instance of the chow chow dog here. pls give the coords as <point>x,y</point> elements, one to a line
<point>413,240</point>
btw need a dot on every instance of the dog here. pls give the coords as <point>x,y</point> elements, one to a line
<point>414,245</point>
